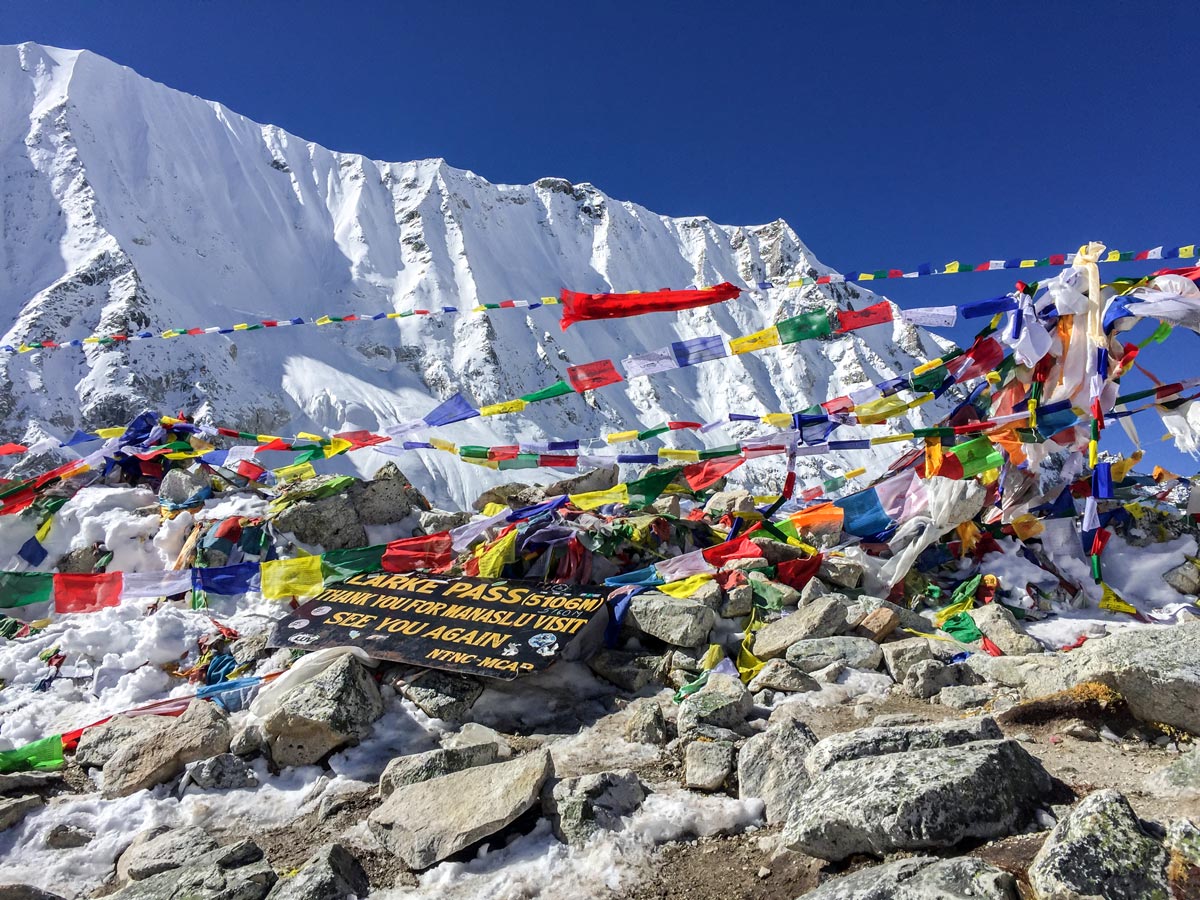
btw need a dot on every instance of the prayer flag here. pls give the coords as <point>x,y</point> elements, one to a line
<point>646,490</point>
<point>454,409</point>
<point>579,307</point>
<point>152,585</point>
<point>286,579</point>
<point>685,587</point>
<point>500,409</point>
<point>297,472</point>
<point>590,376</point>
<point>434,551</point>
<point>698,350</point>
<point>759,340</point>
<point>738,548</point>
<point>595,499</point>
<point>704,474</point>
<point>43,755</point>
<point>33,552</point>
<point>797,573</point>
<point>338,565</point>
<point>24,588</point>
<point>555,390</point>
<point>806,326</point>
<point>864,515</point>
<point>877,314</point>
<point>80,593</point>
<point>226,580</point>
<point>931,316</point>
<point>501,552</point>
<point>650,363</point>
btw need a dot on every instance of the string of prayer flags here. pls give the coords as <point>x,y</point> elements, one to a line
<point>579,307</point>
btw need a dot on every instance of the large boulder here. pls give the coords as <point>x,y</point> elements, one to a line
<point>580,808</point>
<point>680,622</point>
<point>722,705</point>
<point>922,878</point>
<point>331,710</point>
<point>220,772</point>
<point>781,675</point>
<point>331,522</point>
<point>770,767</point>
<point>405,770</point>
<point>14,809</point>
<point>331,873</point>
<point>161,754</point>
<point>884,739</point>
<point>707,765</point>
<point>1185,578</point>
<point>1000,627</point>
<point>179,485</point>
<point>448,696</point>
<point>161,849</point>
<point>1100,850</point>
<point>817,653</point>
<point>824,617</point>
<point>628,671</point>
<point>97,744</point>
<point>236,872</point>
<point>426,822</point>
<point>388,497</point>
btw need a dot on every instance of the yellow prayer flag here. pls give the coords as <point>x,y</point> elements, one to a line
<point>1027,526</point>
<point>440,444</point>
<point>1120,469</point>
<point>1187,252</point>
<point>685,587</point>
<point>927,366</point>
<point>298,472</point>
<point>500,409</point>
<point>324,320</point>
<point>796,284</point>
<point>593,499</point>
<point>933,456</point>
<point>854,473</point>
<point>1028,263</point>
<point>283,579</point>
<point>109,432</point>
<point>712,657</point>
<point>240,327</point>
<point>920,401</point>
<point>485,463</point>
<point>1113,601</point>
<point>91,340</point>
<point>336,446</point>
<point>949,612</point>
<point>267,438</point>
<point>952,267</point>
<point>496,556</point>
<point>305,436</point>
<point>778,420</point>
<point>620,437</point>
<point>1135,509</point>
<point>875,411</point>
<point>759,340</point>
<point>44,529</point>
<point>1113,256</point>
<point>892,438</point>
<point>673,453</point>
<point>493,509</point>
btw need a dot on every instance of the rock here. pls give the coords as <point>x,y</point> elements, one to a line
<point>667,505</point>
<point>1000,627</point>
<point>600,479</point>
<point>723,502</point>
<point>811,591</point>
<point>331,873</point>
<point>23,782</point>
<point>331,710</point>
<point>97,745</point>
<point>879,624</point>
<point>840,571</point>
<point>473,734</point>
<point>817,653</point>
<point>863,605</point>
<point>426,822</point>
<point>825,617</point>
<point>965,696</point>
<point>776,593</point>
<point>781,675</point>
<point>1183,839</point>
<point>159,755</point>
<point>628,671</point>
<point>776,552</point>
<point>331,522</point>
<point>1184,578</point>
<point>14,809</point>
<point>900,656</point>
<point>504,494</point>
<point>160,850</point>
<point>917,800</point>
<point>25,892</point>
<point>81,560</point>
<point>404,770</point>
<point>580,808</point>
<point>388,497</point>
<point>1081,731</point>
<point>180,485</point>
<point>443,695</point>
<point>236,872</point>
<point>1180,780</point>
<point>681,622</point>
<point>771,768</point>
<point>922,878</point>
<point>880,740</point>
<point>647,725</point>
<point>250,647</point>
<point>221,772</point>
<point>64,836</point>
<point>707,765</point>
<point>739,602</point>
<point>929,676</point>
<point>1034,675</point>
<point>434,520</point>
<point>723,702</point>
<point>248,740</point>
<point>343,793</point>
<point>1100,850</point>
<point>710,594</point>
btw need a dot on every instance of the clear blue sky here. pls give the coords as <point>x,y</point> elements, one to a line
<point>887,134</point>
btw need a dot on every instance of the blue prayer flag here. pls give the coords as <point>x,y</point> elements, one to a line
<point>456,409</point>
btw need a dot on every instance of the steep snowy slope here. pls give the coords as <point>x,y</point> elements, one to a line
<point>125,205</point>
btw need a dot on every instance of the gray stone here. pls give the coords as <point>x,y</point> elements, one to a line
<point>840,571</point>
<point>179,484</point>
<point>160,850</point>
<point>745,564</point>
<point>503,494</point>
<point>1185,578</point>
<point>248,740</point>
<point>26,892</point>
<point>331,522</point>
<point>811,591</point>
<point>251,647</point>
<point>1034,674</point>
<point>965,696</point>
<point>221,772</point>
<point>723,702</point>
<point>739,602</point>
<point>1183,838</point>
<point>332,710</point>
<point>781,675</point>
<point>342,793</point>
<point>709,593</point>
<point>236,872</point>
<point>863,605</point>
<point>628,671</point>
<point>681,622</point>
<point>580,808</point>
<point>900,656</point>
<point>776,552</point>
<point>426,822</point>
<point>771,767</point>
<point>98,744</point>
<point>600,479</point>
<point>922,878</point>
<point>1179,780</point>
<point>817,653</point>
<point>647,724</point>
<point>433,521</point>
<point>667,505</point>
<point>23,782</point>
<point>388,497</point>
<point>81,560</point>
<point>825,617</point>
<point>926,678</point>
<point>880,740</point>
<point>443,695</point>
<point>1001,628</point>
<point>404,770</point>
<point>917,800</point>
<point>707,765</point>
<point>723,502</point>
<point>14,809</point>
<point>331,873</point>
<point>160,755</point>
<point>786,594</point>
<point>65,836</point>
<point>1100,850</point>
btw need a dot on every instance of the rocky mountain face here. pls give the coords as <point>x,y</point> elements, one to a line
<point>126,205</point>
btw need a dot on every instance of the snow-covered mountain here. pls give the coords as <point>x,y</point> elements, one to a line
<point>126,205</point>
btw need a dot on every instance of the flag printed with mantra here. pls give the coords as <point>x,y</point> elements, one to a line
<point>578,307</point>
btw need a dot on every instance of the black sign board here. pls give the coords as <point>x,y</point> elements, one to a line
<point>481,626</point>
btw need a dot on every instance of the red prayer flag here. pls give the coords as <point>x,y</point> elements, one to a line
<point>797,573</point>
<point>434,551</point>
<point>702,474</point>
<point>559,461</point>
<point>738,548</point>
<point>877,314</point>
<point>247,469</point>
<point>983,357</point>
<point>838,405</point>
<point>579,307</point>
<point>677,426</point>
<point>990,647</point>
<point>361,439</point>
<point>81,593</point>
<point>590,376</point>
<point>9,449</point>
<point>277,444</point>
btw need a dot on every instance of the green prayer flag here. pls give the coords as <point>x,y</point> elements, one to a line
<point>977,455</point>
<point>962,628</point>
<point>338,565</point>
<point>522,461</point>
<point>41,756</point>
<point>804,327</point>
<point>653,432</point>
<point>646,490</point>
<point>557,389</point>
<point>718,452</point>
<point>24,588</point>
<point>472,451</point>
<point>312,452</point>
